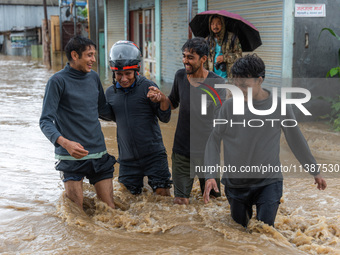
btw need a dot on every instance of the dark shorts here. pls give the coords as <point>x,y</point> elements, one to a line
<point>181,168</point>
<point>266,198</point>
<point>93,169</point>
<point>154,166</point>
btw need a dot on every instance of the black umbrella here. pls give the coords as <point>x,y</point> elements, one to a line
<point>246,32</point>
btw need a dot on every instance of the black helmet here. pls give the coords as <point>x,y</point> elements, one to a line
<point>125,55</point>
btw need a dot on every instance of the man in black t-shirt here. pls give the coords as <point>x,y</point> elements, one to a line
<point>193,126</point>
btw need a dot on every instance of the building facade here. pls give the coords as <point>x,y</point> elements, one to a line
<point>20,24</point>
<point>161,27</point>
<point>291,48</point>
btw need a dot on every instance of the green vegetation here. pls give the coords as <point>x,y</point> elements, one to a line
<point>82,12</point>
<point>334,115</point>
<point>335,70</point>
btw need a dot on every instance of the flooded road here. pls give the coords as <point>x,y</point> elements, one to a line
<point>36,218</point>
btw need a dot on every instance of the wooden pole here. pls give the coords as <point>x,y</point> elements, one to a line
<point>46,39</point>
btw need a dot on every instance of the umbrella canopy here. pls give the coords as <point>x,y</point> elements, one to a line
<point>247,33</point>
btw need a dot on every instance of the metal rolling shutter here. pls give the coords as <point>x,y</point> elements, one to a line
<point>267,16</point>
<point>115,22</point>
<point>141,4</point>
<point>174,35</point>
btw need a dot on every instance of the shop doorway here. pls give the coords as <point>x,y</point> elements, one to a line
<point>142,32</point>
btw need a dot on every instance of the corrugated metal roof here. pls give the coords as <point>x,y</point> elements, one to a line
<point>30,2</point>
<point>23,16</point>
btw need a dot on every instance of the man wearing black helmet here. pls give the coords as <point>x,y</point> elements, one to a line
<point>140,144</point>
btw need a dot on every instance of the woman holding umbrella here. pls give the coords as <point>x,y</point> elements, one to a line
<point>224,47</point>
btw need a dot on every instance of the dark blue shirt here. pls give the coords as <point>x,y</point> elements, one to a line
<point>118,86</point>
<point>138,131</point>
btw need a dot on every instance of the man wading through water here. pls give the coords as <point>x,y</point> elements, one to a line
<point>139,137</point>
<point>73,100</point>
<point>193,128</point>
<point>249,146</point>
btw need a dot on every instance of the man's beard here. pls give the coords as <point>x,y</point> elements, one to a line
<point>217,34</point>
<point>193,70</point>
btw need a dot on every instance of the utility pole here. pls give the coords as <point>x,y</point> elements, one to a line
<point>74,6</point>
<point>46,39</point>
<point>97,36</point>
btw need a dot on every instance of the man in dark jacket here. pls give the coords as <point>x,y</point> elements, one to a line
<point>140,144</point>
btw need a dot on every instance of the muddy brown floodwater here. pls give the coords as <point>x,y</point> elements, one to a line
<point>36,218</point>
